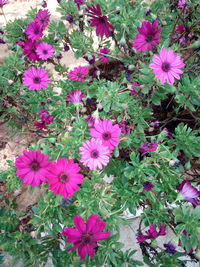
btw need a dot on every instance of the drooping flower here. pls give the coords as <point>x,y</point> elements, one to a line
<point>103,57</point>
<point>94,154</point>
<point>103,26</point>
<point>36,79</point>
<point>64,177</point>
<point>148,186</point>
<point>86,235</point>
<point>125,128</point>
<point>42,18</point>
<point>44,50</point>
<point>181,28</point>
<point>34,31</point>
<point>170,248</point>
<point>66,48</point>
<point>33,167</point>
<point>3,2</point>
<point>148,37</point>
<point>148,147</point>
<point>189,192</point>
<point>29,48</point>
<point>79,73</point>
<point>152,233</point>
<point>75,97</point>
<point>92,120</point>
<point>108,133</point>
<point>166,66</point>
<point>45,116</point>
<point>79,3</point>
<point>2,41</point>
<point>134,88</point>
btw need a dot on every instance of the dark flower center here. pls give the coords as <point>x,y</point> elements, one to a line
<point>166,66</point>
<point>94,154</point>
<point>45,52</point>
<point>35,166</point>
<point>36,31</point>
<point>37,80</point>
<point>149,38</point>
<point>63,178</point>
<point>101,19</point>
<point>86,238</point>
<point>79,74</point>
<point>106,136</point>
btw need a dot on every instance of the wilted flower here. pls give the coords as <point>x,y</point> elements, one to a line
<point>148,186</point>
<point>152,233</point>
<point>148,147</point>
<point>170,248</point>
<point>103,57</point>
<point>79,3</point>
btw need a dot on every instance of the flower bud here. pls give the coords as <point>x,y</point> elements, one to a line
<point>131,67</point>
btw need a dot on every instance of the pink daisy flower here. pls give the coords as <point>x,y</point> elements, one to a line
<point>36,79</point>
<point>75,97</point>
<point>34,31</point>
<point>148,37</point>
<point>103,26</point>
<point>79,73</point>
<point>44,50</point>
<point>86,235</point>
<point>189,192</point>
<point>108,133</point>
<point>79,3</point>
<point>29,48</point>
<point>33,167</point>
<point>166,66</point>
<point>42,18</point>
<point>64,178</point>
<point>102,57</point>
<point>94,154</point>
<point>3,2</point>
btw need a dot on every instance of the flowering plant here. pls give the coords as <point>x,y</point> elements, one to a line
<point>116,134</point>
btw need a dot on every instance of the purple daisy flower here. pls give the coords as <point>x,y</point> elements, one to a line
<point>103,26</point>
<point>34,31</point>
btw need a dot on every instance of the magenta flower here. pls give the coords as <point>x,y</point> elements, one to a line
<point>134,88</point>
<point>189,192</point>
<point>36,79</point>
<point>42,18</point>
<point>103,26</point>
<point>148,186</point>
<point>86,235</point>
<point>45,116</point>
<point>79,73</point>
<point>94,154</point>
<point>148,37</point>
<point>40,125</point>
<point>64,177</point>
<point>44,50</point>
<point>33,167</point>
<point>148,147</point>
<point>75,97</point>
<point>3,2</point>
<point>34,31</point>
<point>29,48</point>
<point>103,57</point>
<point>125,128</point>
<point>152,233</point>
<point>182,3</point>
<point>108,133</point>
<point>166,66</point>
<point>92,120</point>
<point>180,28</point>
<point>79,3</point>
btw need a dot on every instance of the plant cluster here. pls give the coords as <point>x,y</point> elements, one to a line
<point>118,133</point>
